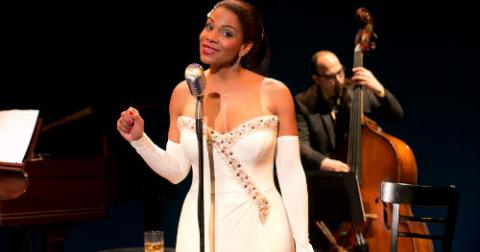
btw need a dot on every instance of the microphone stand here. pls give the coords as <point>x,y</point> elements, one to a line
<point>199,130</point>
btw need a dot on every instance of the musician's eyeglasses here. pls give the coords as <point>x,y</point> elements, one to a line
<point>332,76</point>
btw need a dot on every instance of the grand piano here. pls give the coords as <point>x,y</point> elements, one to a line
<point>51,191</point>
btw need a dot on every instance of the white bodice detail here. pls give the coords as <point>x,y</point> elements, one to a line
<point>243,157</point>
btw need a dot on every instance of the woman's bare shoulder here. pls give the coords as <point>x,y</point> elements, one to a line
<point>275,95</point>
<point>180,96</point>
<point>181,89</point>
<point>274,87</point>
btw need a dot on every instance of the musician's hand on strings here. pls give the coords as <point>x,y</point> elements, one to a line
<point>366,78</point>
<point>329,164</point>
<point>130,124</point>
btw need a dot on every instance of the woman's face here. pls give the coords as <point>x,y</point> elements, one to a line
<point>221,40</point>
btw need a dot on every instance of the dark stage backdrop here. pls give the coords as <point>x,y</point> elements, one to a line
<point>62,57</point>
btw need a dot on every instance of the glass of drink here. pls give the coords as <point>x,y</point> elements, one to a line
<point>153,241</point>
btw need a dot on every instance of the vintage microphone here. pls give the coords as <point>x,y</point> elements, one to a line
<point>196,84</point>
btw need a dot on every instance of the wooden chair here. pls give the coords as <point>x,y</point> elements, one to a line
<point>422,196</point>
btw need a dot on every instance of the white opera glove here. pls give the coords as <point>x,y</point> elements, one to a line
<point>293,185</point>
<point>171,163</point>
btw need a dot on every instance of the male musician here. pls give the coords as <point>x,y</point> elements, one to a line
<point>323,110</point>
<point>323,119</point>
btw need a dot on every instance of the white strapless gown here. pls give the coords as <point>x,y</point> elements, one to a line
<point>249,214</point>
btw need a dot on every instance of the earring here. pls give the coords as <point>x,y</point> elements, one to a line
<point>235,65</point>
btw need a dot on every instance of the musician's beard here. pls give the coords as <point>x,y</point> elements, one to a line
<point>340,97</point>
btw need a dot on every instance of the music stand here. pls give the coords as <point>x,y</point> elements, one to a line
<point>334,196</point>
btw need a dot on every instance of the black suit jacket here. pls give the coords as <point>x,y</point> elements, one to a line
<point>320,135</point>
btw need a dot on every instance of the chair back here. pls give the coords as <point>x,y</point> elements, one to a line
<point>422,196</point>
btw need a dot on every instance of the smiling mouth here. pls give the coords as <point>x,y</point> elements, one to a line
<point>208,50</point>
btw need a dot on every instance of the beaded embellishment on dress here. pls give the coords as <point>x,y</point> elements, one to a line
<point>223,144</point>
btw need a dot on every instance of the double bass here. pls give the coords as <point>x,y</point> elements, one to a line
<point>375,156</point>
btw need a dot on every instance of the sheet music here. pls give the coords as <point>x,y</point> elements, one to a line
<point>16,130</point>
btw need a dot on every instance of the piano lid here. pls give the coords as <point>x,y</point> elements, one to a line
<point>77,134</point>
